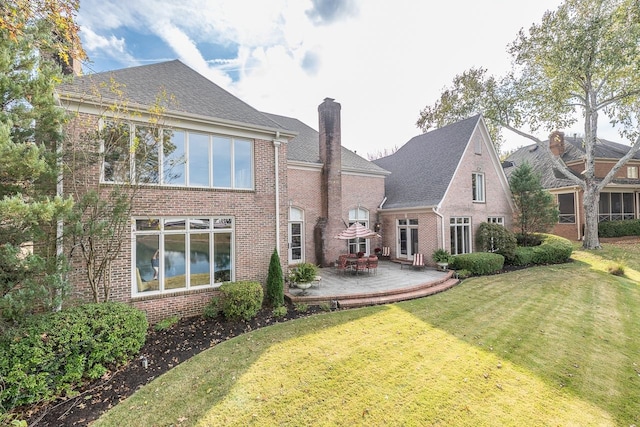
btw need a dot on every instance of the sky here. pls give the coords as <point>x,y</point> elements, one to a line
<point>382,61</point>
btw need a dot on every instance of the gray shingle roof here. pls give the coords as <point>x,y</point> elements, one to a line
<point>305,148</point>
<point>422,168</point>
<point>550,176</point>
<point>194,93</point>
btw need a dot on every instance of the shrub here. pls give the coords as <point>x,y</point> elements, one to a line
<point>241,300</point>
<point>280,311</point>
<point>463,274</point>
<point>325,306</point>
<point>478,263</point>
<point>275,282</point>
<point>212,309</point>
<point>496,238</point>
<point>52,353</point>
<point>301,307</point>
<point>552,250</point>
<point>619,228</point>
<point>304,273</point>
<point>441,256</point>
<point>165,324</point>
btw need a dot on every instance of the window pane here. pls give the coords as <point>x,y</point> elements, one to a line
<point>116,140</point>
<point>627,201</point>
<point>175,224</point>
<point>173,166</point>
<point>566,203</point>
<point>200,273</point>
<point>222,257</point>
<point>147,263</point>
<point>174,261</point>
<point>222,223</point>
<point>242,158</point>
<point>616,203</point>
<point>147,224</point>
<point>221,162</point>
<point>147,149</point>
<point>199,224</point>
<point>198,159</point>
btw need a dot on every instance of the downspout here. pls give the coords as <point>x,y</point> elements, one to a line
<point>435,211</point>
<point>276,146</point>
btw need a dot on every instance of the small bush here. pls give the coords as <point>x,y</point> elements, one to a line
<point>241,300</point>
<point>165,324</point>
<point>325,306</point>
<point>280,311</point>
<point>301,307</point>
<point>52,353</point>
<point>478,263</point>
<point>304,273</point>
<point>463,274</point>
<point>441,256</point>
<point>616,269</point>
<point>212,309</point>
<point>552,250</point>
<point>619,228</point>
<point>496,238</point>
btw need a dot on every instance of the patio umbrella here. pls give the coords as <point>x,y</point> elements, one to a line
<point>357,230</point>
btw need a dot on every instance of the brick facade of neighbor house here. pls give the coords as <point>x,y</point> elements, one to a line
<point>622,200</point>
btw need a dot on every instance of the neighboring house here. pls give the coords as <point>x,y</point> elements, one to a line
<point>443,184</point>
<point>618,200</point>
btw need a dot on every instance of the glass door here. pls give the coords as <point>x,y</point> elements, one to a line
<point>407,238</point>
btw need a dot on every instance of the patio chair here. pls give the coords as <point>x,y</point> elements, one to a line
<point>361,264</point>
<point>386,252</point>
<point>418,261</point>
<point>343,266</point>
<point>372,264</point>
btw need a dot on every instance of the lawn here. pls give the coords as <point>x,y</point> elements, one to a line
<point>555,345</point>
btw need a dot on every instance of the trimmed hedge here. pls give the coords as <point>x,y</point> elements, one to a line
<point>241,300</point>
<point>478,263</point>
<point>52,353</point>
<point>496,238</point>
<point>552,250</point>
<point>619,228</point>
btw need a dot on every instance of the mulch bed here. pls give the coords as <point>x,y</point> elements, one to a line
<point>163,351</point>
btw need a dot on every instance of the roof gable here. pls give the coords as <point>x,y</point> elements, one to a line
<point>422,169</point>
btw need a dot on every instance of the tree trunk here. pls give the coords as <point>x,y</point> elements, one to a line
<point>591,203</point>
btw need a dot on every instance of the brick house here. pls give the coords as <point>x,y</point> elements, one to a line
<point>618,200</point>
<point>222,185</point>
<point>443,184</point>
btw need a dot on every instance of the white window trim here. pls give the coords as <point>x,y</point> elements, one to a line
<point>478,190</point>
<point>466,222</point>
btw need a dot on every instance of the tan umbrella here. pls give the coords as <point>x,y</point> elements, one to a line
<point>357,230</point>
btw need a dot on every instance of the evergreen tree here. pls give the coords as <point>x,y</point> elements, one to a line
<point>275,282</point>
<point>536,210</point>
<point>35,37</point>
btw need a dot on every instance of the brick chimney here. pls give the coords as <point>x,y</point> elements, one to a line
<point>330,222</point>
<point>556,143</point>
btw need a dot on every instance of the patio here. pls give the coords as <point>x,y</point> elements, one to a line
<point>391,283</point>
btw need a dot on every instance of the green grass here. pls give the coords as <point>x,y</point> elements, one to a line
<point>555,345</point>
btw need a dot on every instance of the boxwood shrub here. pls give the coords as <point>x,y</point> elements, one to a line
<point>51,353</point>
<point>552,250</point>
<point>619,228</point>
<point>478,263</point>
<point>241,300</point>
<point>496,238</point>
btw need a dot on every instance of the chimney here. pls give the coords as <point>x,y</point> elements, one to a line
<point>556,143</point>
<point>330,222</point>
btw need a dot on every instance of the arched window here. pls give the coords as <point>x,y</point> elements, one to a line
<point>296,235</point>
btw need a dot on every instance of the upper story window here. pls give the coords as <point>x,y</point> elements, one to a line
<point>632,172</point>
<point>148,155</point>
<point>477,184</point>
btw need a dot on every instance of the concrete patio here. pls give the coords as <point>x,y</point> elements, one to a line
<point>391,283</point>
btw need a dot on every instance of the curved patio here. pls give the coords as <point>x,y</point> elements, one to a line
<point>392,282</point>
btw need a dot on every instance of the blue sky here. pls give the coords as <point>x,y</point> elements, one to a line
<point>383,61</point>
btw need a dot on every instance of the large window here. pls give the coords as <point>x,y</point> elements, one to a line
<point>362,216</point>
<point>175,157</point>
<point>616,206</point>
<point>567,208</point>
<point>172,254</point>
<point>477,184</point>
<point>296,235</point>
<point>460,233</point>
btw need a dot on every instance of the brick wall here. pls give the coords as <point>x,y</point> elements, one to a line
<point>254,213</point>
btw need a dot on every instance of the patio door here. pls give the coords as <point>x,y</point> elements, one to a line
<point>407,238</point>
<point>296,236</point>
